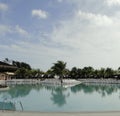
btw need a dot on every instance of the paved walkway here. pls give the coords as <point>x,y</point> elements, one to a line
<point>59,114</point>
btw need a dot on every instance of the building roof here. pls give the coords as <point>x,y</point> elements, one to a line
<point>4,67</point>
<point>3,63</point>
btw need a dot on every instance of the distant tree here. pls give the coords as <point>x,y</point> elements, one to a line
<point>96,74</point>
<point>21,65</point>
<point>59,69</point>
<point>109,73</point>
<point>118,71</point>
<point>74,72</point>
<point>79,73</point>
<point>66,73</point>
<point>6,60</point>
<point>88,72</point>
<point>25,65</point>
<point>50,74</point>
<point>21,73</point>
<point>102,73</point>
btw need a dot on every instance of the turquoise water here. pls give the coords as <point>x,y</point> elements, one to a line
<point>78,98</point>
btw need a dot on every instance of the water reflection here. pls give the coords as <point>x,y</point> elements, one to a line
<point>58,94</point>
<point>103,90</point>
<point>17,91</point>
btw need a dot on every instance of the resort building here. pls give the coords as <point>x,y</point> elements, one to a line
<point>6,70</point>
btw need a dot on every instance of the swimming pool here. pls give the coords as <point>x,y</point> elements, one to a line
<point>48,98</point>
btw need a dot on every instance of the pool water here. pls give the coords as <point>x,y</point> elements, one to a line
<point>47,98</point>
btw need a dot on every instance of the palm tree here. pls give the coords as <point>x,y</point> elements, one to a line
<point>96,73</point>
<point>102,73</point>
<point>88,72</point>
<point>59,69</point>
<point>74,72</point>
<point>109,72</point>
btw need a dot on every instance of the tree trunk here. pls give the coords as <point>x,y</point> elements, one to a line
<point>61,79</point>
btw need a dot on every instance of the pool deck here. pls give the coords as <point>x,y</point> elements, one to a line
<point>59,114</point>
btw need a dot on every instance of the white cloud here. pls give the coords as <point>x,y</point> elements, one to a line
<point>89,37</point>
<point>21,31</point>
<point>3,7</point>
<point>38,51</point>
<point>97,19</point>
<point>92,37</point>
<point>5,29</point>
<point>78,30</point>
<point>112,2</point>
<point>91,2</point>
<point>40,14</point>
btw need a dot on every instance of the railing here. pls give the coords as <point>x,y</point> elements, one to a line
<point>10,105</point>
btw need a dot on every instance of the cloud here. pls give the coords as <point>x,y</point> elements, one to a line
<point>37,51</point>
<point>112,2</point>
<point>90,37</point>
<point>3,7</point>
<point>21,31</point>
<point>5,29</point>
<point>78,30</point>
<point>40,14</point>
<point>97,19</point>
<point>8,29</point>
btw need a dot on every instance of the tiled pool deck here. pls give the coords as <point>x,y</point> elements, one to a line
<point>59,114</point>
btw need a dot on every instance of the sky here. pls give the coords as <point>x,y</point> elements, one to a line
<point>79,32</point>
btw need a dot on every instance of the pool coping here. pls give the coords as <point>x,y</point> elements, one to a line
<point>19,113</point>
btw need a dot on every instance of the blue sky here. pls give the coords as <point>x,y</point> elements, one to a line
<point>79,32</point>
